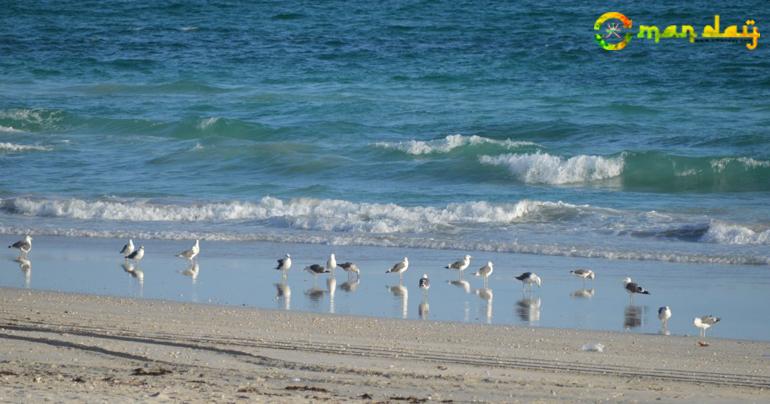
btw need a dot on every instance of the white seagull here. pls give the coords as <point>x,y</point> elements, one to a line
<point>704,323</point>
<point>137,255</point>
<point>399,268</point>
<point>127,249</point>
<point>192,252</point>
<point>24,245</point>
<point>664,313</point>
<point>284,264</point>
<point>485,271</point>
<point>461,264</point>
<point>331,263</point>
<point>530,278</point>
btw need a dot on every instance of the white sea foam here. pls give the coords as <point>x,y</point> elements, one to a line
<point>449,143</point>
<point>13,147</point>
<point>400,241</point>
<point>728,233</point>
<point>206,123</point>
<point>9,129</point>
<point>719,165</point>
<point>543,168</point>
<point>304,213</point>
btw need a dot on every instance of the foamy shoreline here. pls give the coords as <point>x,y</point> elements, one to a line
<point>72,347</point>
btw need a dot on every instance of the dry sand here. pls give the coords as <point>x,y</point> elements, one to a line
<point>69,347</point>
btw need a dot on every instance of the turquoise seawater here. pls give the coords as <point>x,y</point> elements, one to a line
<point>459,125</point>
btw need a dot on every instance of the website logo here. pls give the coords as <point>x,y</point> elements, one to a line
<point>614,32</point>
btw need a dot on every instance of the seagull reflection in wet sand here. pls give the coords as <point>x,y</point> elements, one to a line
<point>583,293</point>
<point>400,291</point>
<point>283,292</point>
<point>192,271</point>
<point>528,309</point>
<point>424,307</point>
<point>632,316</point>
<point>350,285</point>
<point>331,287</point>
<point>136,273</point>
<point>25,265</point>
<point>462,284</point>
<point>486,295</point>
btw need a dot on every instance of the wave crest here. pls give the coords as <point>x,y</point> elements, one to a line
<point>449,143</point>
<point>13,147</point>
<point>303,213</point>
<point>543,168</point>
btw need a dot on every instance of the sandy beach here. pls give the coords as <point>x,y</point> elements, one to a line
<point>71,347</point>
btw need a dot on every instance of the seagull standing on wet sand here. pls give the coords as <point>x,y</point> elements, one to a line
<point>664,313</point>
<point>192,252</point>
<point>529,278</point>
<point>24,245</point>
<point>633,288</point>
<point>485,271</point>
<point>316,270</point>
<point>461,264</point>
<point>331,263</point>
<point>284,264</point>
<point>399,268</point>
<point>424,283</point>
<point>137,255</point>
<point>350,268</point>
<point>584,274</point>
<point>704,323</point>
<point>127,249</point>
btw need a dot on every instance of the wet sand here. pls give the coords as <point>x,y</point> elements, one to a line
<point>72,347</point>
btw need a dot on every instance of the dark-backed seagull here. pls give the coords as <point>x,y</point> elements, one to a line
<point>284,264</point>
<point>530,278</point>
<point>350,268</point>
<point>192,252</point>
<point>584,273</point>
<point>316,269</point>
<point>424,282</point>
<point>24,245</point>
<point>461,264</point>
<point>127,249</point>
<point>704,323</point>
<point>633,288</point>
<point>137,255</point>
<point>399,268</point>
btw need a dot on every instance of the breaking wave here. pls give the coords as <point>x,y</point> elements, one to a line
<point>13,147</point>
<point>449,143</point>
<point>542,168</point>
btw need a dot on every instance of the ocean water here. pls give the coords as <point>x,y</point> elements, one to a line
<point>433,125</point>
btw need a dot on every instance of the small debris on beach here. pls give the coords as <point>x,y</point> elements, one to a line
<point>594,347</point>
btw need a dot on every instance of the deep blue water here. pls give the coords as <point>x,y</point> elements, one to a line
<point>412,124</point>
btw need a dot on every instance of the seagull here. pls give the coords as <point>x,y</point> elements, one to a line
<point>316,269</point>
<point>704,323</point>
<point>284,264</point>
<point>664,313</point>
<point>127,249</point>
<point>424,282</point>
<point>137,255</point>
<point>399,268</point>
<point>584,273</point>
<point>192,252</point>
<point>24,246</point>
<point>529,278</point>
<point>350,268</point>
<point>331,263</point>
<point>485,271</point>
<point>461,264</point>
<point>632,288</point>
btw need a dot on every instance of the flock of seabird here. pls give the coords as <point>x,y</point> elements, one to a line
<point>528,279</point>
